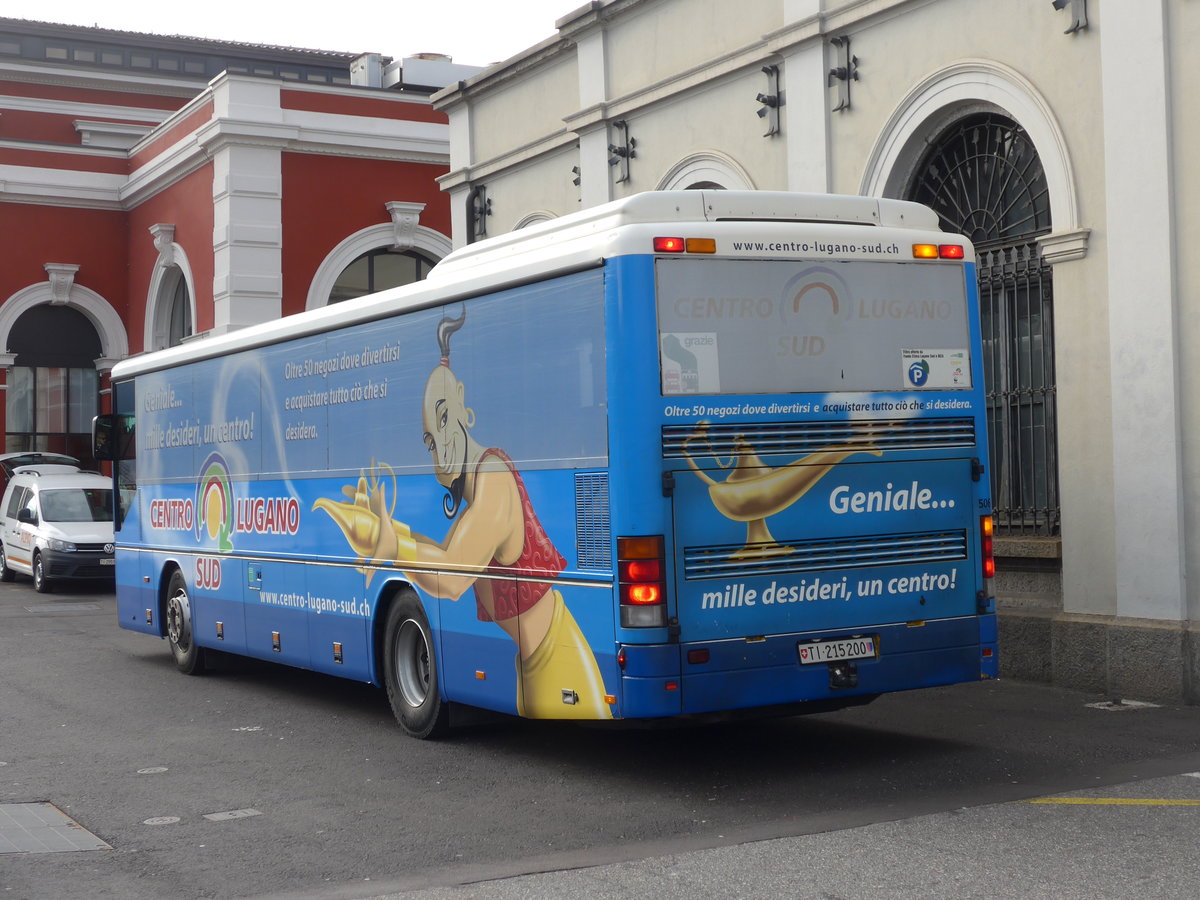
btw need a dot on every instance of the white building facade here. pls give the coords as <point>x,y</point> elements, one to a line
<point>1052,133</point>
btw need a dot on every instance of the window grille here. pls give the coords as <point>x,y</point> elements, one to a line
<point>983,177</point>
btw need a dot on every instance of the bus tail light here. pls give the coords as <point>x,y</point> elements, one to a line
<point>685,245</point>
<point>938,251</point>
<point>987,529</point>
<point>641,582</point>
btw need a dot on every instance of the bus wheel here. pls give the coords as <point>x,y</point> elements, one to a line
<point>189,658</point>
<point>410,670</point>
<point>41,583</point>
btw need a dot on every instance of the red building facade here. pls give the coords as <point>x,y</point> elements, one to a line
<point>155,190</point>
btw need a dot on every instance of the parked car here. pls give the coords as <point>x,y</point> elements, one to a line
<point>57,524</point>
<point>10,462</point>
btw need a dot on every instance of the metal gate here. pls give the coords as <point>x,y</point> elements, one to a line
<point>1016,308</point>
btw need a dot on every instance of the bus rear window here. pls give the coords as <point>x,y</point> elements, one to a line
<point>734,326</point>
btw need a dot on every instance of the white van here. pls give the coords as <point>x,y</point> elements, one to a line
<point>57,524</point>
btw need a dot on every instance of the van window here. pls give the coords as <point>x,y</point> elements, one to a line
<point>77,505</point>
<point>15,501</point>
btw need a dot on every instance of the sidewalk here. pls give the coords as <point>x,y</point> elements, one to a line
<point>1085,845</point>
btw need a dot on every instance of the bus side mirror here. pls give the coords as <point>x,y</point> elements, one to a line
<point>103,428</point>
<point>112,437</point>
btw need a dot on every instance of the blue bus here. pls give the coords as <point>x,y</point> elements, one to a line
<point>685,454</point>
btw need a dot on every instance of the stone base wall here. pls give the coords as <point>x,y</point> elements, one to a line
<point>1129,659</point>
<point>1122,658</point>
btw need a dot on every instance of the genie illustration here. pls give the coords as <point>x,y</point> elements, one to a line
<point>495,536</point>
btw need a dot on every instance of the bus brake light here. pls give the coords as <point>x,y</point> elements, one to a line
<point>642,594</point>
<point>951,251</point>
<point>669,245</point>
<point>641,586</point>
<point>987,529</point>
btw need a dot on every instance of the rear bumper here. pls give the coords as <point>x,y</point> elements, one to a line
<point>741,674</point>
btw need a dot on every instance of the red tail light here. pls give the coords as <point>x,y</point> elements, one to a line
<point>938,251</point>
<point>986,530</point>
<point>641,568</point>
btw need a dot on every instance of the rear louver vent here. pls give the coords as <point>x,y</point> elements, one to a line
<point>800,438</point>
<point>823,555</point>
<point>593,531</point>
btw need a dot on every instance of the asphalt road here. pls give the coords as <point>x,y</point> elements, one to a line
<point>313,792</point>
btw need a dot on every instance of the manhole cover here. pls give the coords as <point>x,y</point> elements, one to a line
<point>43,828</point>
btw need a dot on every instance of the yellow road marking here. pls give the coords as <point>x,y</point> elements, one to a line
<point>1111,801</point>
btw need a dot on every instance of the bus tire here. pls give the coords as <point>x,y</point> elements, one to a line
<point>41,583</point>
<point>6,574</point>
<point>410,670</point>
<point>189,657</point>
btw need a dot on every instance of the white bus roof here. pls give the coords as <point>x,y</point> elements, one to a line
<point>570,243</point>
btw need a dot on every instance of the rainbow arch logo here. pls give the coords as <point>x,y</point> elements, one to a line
<point>813,290</point>
<point>214,503</point>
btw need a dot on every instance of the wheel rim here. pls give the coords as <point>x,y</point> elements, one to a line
<point>179,628</point>
<point>412,663</point>
<point>39,576</point>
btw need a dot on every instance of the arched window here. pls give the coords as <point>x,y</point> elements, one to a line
<point>707,170</point>
<point>377,270</point>
<point>983,177</point>
<point>170,304</point>
<point>178,311</point>
<point>53,386</point>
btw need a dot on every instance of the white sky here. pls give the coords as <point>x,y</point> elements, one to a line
<point>474,32</point>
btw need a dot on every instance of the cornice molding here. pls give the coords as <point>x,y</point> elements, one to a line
<point>92,79</point>
<point>65,149</point>
<point>80,110</point>
<point>1063,246</point>
<point>110,135</point>
<point>58,187</point>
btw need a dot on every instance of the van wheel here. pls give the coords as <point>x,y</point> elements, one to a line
<point>41,583</point>
<point>410,670</point>
<point>6,574</point>
<point>189,658</point>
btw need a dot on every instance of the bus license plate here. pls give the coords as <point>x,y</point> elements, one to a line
<point>832,651</point>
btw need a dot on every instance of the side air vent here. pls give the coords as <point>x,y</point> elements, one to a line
<point>723,439</point>
<point>823,555</point>
<point>593,529</point>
